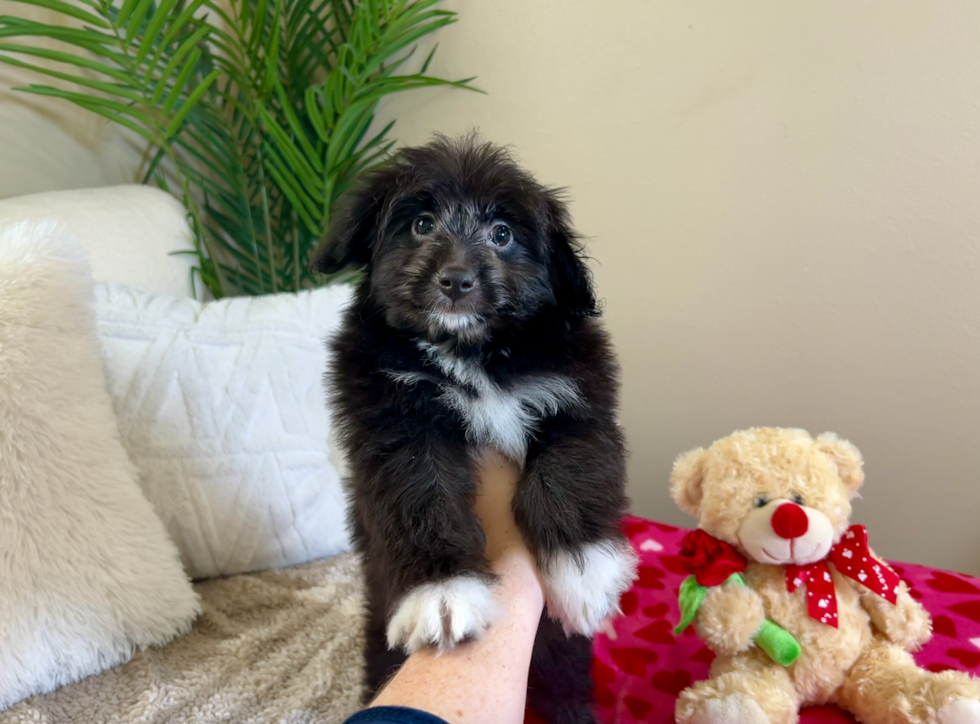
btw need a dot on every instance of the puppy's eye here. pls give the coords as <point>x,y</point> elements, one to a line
<point>423,225</point>
<point>798,499</point>
<point>501,235</point>
<point>761,502</point>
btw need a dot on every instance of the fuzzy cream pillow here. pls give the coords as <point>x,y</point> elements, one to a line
<point>87,573</point>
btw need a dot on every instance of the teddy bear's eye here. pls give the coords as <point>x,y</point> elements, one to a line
<point>798,499</point>
<point>761,502</point>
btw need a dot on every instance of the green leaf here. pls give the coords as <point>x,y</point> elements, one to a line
<point>689,600</point>
<point>108,111</point>
<point>176,90</point>
<point>296,197</point>
<point>111,88</point>
<point>297,192</point>
<point>312,107</point>
<point>189,103</point>
<point>112,106</point>
<point>88,38</point>
<point>181,24</point>
<point>159,17</point>
<point>428,59</point>
<point>68,9</point>
<point>299,134</point>
<point>137,19</point>
<point>187,47</point>
<point>281,142</point>
<point>153,165</point>
<point>125,11</point>
<point>258,114</point>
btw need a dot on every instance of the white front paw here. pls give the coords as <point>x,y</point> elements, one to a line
<point>583,588</point>
<point>442,614</point>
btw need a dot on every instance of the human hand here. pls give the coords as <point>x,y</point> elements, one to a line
<point>497,480</point>
<point>483,680</point>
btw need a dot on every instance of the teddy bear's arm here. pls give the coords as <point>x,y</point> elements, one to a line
<point>905,623</point>
<point>729,618</point>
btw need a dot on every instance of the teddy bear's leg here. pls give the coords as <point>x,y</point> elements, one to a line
<point>741,690</point>
<point>886,686</point>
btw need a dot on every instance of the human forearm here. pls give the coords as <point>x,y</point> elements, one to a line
<point>485,680</point>
<point>480,681</point>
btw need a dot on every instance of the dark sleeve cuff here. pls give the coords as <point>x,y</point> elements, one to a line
<point>394,715</point>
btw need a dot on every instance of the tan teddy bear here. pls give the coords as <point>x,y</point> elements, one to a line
<point>779,502</point>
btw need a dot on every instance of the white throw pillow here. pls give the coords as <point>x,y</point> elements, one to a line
<point>87,573</point>
<point>221,406</point>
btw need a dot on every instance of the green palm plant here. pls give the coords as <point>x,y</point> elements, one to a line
<point>254,113</point>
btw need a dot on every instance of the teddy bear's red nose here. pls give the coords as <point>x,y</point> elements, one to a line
<point>790,521</point>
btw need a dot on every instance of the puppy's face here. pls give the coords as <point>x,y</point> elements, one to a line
<point>459,263</point>
<point>457,242</point>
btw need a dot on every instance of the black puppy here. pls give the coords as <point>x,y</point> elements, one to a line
<point>475,327</point>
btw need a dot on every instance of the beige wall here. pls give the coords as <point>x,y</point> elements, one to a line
<point>783,201</point>
<point>46,145</point>
<point>783,204</point>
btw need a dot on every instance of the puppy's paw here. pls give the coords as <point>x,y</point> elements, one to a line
<point>442,614</point>
<point>583,587</point>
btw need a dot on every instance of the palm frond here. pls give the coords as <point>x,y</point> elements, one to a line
<point>256,113</point>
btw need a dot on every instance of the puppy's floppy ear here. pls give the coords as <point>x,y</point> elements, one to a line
<point>847,458</point>
<point>687,480</point>
<point>354,228</point>
<point>570,277</point>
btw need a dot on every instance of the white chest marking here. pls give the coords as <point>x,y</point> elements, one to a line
<point>497,416</point>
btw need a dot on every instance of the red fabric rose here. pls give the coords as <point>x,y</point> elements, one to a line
<point>710,560</point>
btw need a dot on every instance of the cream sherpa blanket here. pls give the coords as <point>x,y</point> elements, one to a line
<point>281,646</point>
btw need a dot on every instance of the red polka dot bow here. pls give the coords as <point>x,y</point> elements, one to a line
<point>852,558</point>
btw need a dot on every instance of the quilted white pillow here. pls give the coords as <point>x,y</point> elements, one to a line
<point>221,406</point>
<point>87,574</point>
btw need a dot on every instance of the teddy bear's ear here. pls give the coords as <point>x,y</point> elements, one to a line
<point>686,480</point>
<point>847,458</point>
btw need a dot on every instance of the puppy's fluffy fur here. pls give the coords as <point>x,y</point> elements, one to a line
<point>474,327</point>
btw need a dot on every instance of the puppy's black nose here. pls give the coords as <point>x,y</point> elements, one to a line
<point>456,282</point>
